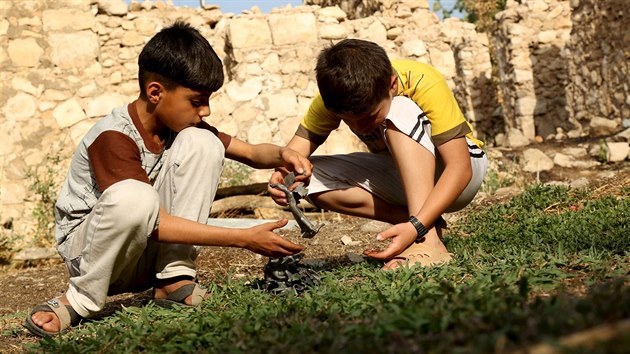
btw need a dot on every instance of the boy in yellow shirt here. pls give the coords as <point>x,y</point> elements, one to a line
<point>424,159</point>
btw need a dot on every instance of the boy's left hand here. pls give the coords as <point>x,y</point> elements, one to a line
<point>401,235</point>
<point>294,161</point>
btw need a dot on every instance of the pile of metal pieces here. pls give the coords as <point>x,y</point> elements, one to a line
<point>286,275</point>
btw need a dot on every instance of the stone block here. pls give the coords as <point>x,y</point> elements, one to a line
<point>65,53</point>
<point>25,52</point>
<point>68,113</point>
<point>20,107</point>
<point>249,33</point>
<point>535,160</point>
<point>67,20</point>
<point>333,31</point>
<point>293,29</point>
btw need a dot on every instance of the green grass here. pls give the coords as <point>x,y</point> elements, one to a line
<point>549,263</point>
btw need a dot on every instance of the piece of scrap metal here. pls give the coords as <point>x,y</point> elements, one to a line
<point>307,228</point>
<point>286,275</point>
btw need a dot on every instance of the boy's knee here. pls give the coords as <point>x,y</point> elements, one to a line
<point>202,143</point>
<point>134,201</point>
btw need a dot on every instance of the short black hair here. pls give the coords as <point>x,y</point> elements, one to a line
<point>180,55</point>
<point>353,76</point>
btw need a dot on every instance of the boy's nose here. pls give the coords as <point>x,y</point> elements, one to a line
<point>204,111</point>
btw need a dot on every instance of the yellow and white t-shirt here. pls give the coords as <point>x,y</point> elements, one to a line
<point>420,82</point>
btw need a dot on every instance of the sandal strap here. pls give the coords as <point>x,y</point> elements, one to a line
<point>422,251</point>
<point>67,315</point>
<point>193,289</point>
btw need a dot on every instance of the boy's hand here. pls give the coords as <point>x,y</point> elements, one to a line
<point>402,235</point>
<point>267,243</point>
<point>277,195</point>
<point>296,162</point>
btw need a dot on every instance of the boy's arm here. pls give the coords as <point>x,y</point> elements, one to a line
<point>426,200</point>
<point>268,156</point>
<point>259,239</point>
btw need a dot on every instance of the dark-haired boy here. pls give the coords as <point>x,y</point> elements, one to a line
<point>402,110</point>
<point>141,183</point>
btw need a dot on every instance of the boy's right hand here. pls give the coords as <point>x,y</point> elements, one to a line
<point>276,194</point>
<point>267,243</point>
<point>277,177</point>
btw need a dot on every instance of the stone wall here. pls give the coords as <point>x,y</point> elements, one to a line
<point>66,63</point>
<point>530,40</point>
<point>599,66</point>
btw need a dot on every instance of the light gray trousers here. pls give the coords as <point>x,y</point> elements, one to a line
<point>112,252</point>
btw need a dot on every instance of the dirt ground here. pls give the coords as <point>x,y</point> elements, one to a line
<point>24,287</point>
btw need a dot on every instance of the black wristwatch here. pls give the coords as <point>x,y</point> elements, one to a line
<point>420,229</point>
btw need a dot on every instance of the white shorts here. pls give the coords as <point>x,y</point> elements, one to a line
<point>377,173</point>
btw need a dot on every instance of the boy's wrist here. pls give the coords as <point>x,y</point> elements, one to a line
<point>420,228</point>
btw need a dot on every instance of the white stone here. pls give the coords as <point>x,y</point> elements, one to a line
<point>4,26</point>
<point>535,160</point>
<point>546,37</point>
<point>414,47</point>
<point>68,113</point>
<point>293,29</point>
<point>617,151</point>
<point>375,32</point>
<point>394,32</point>
<point>248,33</point>
<point>332,31</point>
<point>525,106</point>
<point>25,52</point>
<point>132,39</point>
<point>375,226</point>
<point>521,76</point>
<point>21,84</point>
<point>147,26</point>
<point>67,20</point>
<point>603,126</point>
<point>113,7</point>
<point>65,53</point>
<point>283,104</point>
<point>20,107</point>
<point>271,63</point>
<point>55,95</point>
<point>259,133</point>
<point>246,91</point>
<point>332,11</point>
<point>515,138</point>
<point>103,105</point>
<point>444,62</point>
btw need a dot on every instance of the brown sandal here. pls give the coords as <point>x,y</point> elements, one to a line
<point>422,254</point>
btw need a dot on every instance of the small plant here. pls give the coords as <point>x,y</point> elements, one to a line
<point>234,174</point>
<point>602,155</point>
<point>45,187</point>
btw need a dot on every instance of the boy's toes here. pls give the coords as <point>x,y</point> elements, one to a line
<point>47,321</point>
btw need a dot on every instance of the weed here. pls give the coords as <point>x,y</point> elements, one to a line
<point>234,173</point>
<point>45,187</point>
<point>602,155</point>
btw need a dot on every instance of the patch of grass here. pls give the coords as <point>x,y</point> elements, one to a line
<point>540,267</point>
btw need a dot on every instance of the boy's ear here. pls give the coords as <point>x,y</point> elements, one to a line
<point>393,84</point>
<point>154,91</point>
